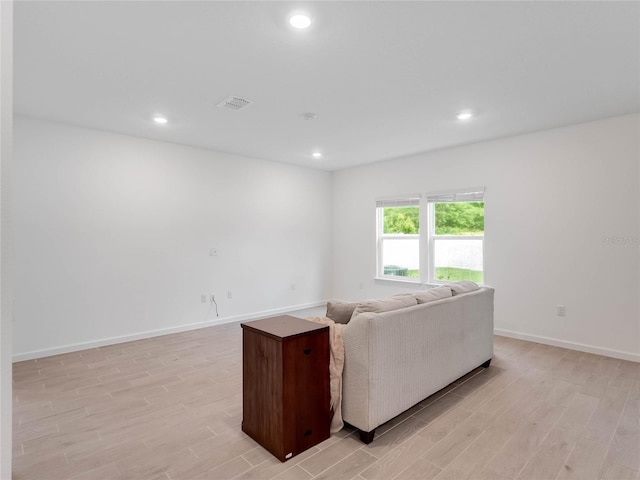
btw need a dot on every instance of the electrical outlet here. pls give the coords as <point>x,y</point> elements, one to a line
<point>229,295</point>
<point>561,310</point>
<point>203,298</point>
<point>212,297</point>
<point>293,286</point>
<point>213,252</point>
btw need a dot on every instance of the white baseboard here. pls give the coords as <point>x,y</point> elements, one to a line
<point>633,357</point>
<point>19,357</point>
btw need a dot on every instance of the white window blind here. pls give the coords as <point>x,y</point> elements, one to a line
<point>398,202</point>
<point>477,195</point>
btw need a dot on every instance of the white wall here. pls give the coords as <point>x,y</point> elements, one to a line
<point>112,233</point>
<point>551,199</point>
<point>6,137</point>
<point>112,236</point>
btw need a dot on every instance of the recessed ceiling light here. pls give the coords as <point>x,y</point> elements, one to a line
<point>316,155</point>
<point>308,116</point>
<point>300,21</point>
<point>466,115</point>
<point>160,119</point>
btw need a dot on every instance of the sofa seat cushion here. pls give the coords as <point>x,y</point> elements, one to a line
<point>384,305</point>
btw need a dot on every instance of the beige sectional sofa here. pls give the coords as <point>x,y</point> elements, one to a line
<point>400,350</point>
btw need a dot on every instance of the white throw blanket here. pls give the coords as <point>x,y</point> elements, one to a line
<point>336,365</point>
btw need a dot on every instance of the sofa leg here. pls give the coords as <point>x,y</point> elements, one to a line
<point>367,437</point>
<point>487,363</point>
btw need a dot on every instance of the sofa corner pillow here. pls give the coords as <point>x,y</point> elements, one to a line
<point>433,294</point>
<point>385,305</point>
<point>463,286</point>
<point>340,312</point>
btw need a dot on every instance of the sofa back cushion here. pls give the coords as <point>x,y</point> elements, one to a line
<point>463,286</point>
<point>385,305</point>
<point>340,312</point>
<point>433,294</point>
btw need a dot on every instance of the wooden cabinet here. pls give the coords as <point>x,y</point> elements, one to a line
<point>285,381</point>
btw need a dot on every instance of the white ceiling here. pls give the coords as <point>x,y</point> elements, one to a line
<point>386,79</point>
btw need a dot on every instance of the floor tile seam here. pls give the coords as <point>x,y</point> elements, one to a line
<point>508,410</point>
<point>586,422</point>
<point>365,467</point>
<point>229,461</point>
<point>447,410</point>
<point>477,439</point>
<point>609,385</point>
<point>292,466</point>
<point>460,425</point>
<point>619,421</point>
<point>360,449</point>
<point>507,442</point>
<point>425,405</point>
<point>401,422</point>
<point>320,451</point>
<point>568,455</point>
<point>415,461</point>
<point>450,432</point>
<point>537,449</point>
<point>601,463</point>
<point>395,447</point>
<point>247,460</point>
<point>396,452</point>
<point>491,397</point>
<point>417,411</point>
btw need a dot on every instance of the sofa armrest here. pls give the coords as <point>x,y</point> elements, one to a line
<point>357,343</point>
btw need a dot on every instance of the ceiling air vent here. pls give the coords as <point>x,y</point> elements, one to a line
<point>234,103</point>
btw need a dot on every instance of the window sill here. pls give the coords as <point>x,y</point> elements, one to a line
<point>397,280</point>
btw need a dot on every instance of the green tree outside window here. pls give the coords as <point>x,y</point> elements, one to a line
<point>402,220</point>
<point>460,218</point>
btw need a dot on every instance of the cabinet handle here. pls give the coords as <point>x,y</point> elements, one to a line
<point>307,433</point>
<point>307,351</point>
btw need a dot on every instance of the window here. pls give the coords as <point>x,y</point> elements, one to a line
<point>399,238</point>
<point>448,247</point>
<point>456,237</point>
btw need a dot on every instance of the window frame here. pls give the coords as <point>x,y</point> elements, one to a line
<point>381,204</point>
<point>426,232</point>
<point>431,241</point>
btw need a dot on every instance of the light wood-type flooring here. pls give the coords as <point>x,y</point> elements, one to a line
<point>170,408</point>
